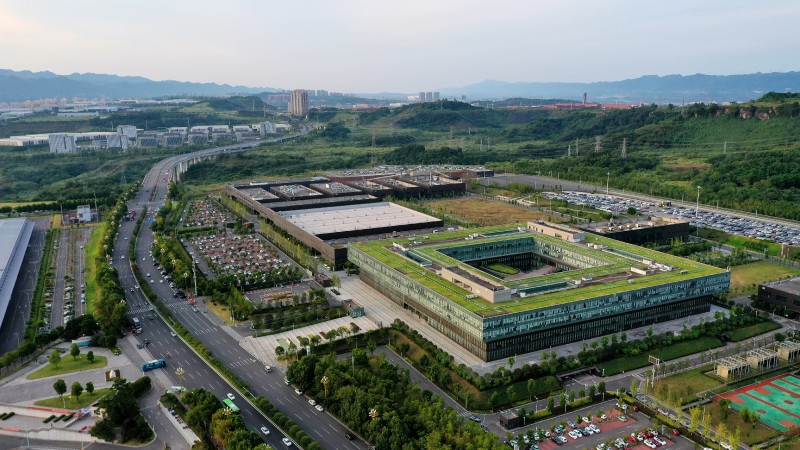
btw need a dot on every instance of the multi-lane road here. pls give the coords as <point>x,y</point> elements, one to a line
<point>222,342</point>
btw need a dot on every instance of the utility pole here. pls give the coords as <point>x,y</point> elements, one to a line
<point>576,147</point>
<point>597,144</point>
<point>624,153</point>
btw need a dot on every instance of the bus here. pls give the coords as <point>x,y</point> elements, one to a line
<point>137,326</point>
<point>230,405</point>
<point>154,364</point>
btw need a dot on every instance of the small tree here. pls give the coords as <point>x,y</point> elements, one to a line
<point>531,388</point>
<point>89,386</point>
<point>279,351</point>
<point>511,393</point>
<point>77,390</point>
<point>74,351</point>
<point>634,387</point>
<point>60,386</point>
<point>90,356</point>
<point>695,415</point>
<point>724,407</point>
<point>54,359</point>
<point>551,404</point>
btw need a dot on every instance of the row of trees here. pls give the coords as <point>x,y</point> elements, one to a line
<point>207,415</point>
<point>379,401</point>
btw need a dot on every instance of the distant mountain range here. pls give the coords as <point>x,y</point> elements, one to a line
<point>27,85</point>
<point>647,89</point>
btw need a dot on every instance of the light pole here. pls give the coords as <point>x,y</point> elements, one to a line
<point>697,208</point>
<point>608,177</point>
<point>179,373</point>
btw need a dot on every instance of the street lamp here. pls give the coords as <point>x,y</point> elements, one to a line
<point>697,208</point>
<point>608,177</point>
<point>179,373</point>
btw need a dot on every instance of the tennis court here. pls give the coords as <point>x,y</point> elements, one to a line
<point>776,400</point>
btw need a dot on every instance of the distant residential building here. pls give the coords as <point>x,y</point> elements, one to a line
<point>281,127</point>
<point>298,104</point>
<point>436,96</point>
<point>267,128</point>
<point>129,131</point>
<point>278,98</point>
<point>429,96</point>
<point>62,143</point>
<point>421,97</point>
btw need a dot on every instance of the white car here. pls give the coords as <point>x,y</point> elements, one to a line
<point>231,397</point>
<point>173,334</point>
<point>312,402</point>
<point>152,281</point>
<point>650,443</point>
<point>265,430</point>
<point>286,442</point>
<point>298,391</point>
<point>318,408</point>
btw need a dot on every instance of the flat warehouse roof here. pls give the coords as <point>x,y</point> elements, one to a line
<point>14,237</point>
<point>355,217</point>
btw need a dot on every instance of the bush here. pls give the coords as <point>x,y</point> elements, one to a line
<point>49,418</point>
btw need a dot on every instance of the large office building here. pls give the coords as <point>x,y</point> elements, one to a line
<point>14,237</point>
<point>298,103</point>
<point>503,291</point>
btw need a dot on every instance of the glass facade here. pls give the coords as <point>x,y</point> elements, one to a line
<point>491,334</point>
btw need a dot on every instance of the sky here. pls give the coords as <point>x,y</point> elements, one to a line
<point>398,46</point>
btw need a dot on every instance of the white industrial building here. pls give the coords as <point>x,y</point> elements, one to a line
<point>266,129</point>
<point>14,237</point>
<point>62,143</point>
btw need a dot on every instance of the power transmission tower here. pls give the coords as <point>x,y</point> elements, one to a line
<point>624,153</point>
<point>576,147</point>
<point>597,146</point>
<point>373,140</point>
<point>569,150</point>
<point>122,180</point>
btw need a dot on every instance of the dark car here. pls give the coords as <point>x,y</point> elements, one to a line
<point>349,436</point>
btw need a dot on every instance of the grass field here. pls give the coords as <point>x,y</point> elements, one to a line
<point>219,310</point>
<point>484,212</point>
<point>68,365</point>
<point>746,278</point>
<point>752,330</point>
<point>751,434</point>
<point>92,249</point>
<point>15,204</point>
<point>69,402</point>
<point>687,384</point>
<point>667,353</point>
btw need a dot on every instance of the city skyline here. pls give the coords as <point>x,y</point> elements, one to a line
<point>359,46</point>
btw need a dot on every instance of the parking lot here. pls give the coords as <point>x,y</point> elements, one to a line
<point>613,429</point>
<point>205,213</point>
<point>230,254</point>
<point>731,224</point>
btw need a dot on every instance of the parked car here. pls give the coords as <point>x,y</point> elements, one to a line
<point>265,430</point>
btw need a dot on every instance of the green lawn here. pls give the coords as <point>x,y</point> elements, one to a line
<point>752,330</point>
<point>667,353</point>
<point>91,250</point>
<point>69,402</point>
<point>687,384</point>
<point>68,365</point>
<point>746,278</point>
<point>751,434</point>
<point>503,269</point>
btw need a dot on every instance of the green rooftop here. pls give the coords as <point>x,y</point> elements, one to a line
<point>617,259</point>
